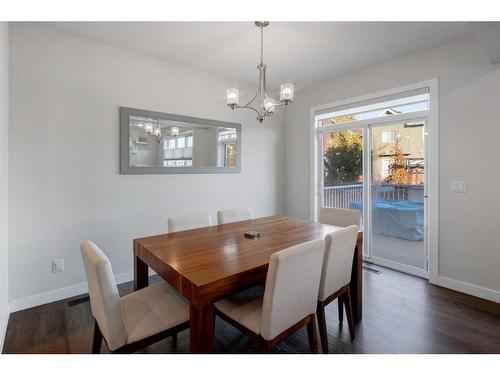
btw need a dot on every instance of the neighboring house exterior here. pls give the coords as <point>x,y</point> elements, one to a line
<point>410,140</point>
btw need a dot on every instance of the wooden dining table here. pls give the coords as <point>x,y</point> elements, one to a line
<point>211,263</point>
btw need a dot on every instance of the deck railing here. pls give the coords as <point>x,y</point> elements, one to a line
<point>343,195</point>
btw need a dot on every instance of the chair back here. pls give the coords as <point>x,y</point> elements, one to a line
<point>186,222</point>
<point>234,214</point>
<point>337,263</point>
<point>340,217</point>
<point>292,283</point>
<point>104,297</point>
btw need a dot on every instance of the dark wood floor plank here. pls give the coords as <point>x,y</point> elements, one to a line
<point>402,314</point>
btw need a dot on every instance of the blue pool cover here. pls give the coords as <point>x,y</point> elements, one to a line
<point>400,219</point>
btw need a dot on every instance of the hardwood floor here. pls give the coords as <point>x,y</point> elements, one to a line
<point>401,314</point>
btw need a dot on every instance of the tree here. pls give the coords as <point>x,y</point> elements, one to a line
<point>398,173</point>
<point>343,158</point>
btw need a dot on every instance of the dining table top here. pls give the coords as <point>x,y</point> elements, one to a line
<point>206,255</point>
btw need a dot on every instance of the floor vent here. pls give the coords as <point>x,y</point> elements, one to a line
<point>369,269</point>
<point>78,301</point>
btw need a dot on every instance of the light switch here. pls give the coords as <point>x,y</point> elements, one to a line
<point>458,186</point>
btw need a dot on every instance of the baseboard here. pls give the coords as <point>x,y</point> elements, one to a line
<point>3,330</point>
<point>474,290</point>
<point>62,293</point>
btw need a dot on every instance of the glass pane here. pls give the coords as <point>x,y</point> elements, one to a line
<point>408,104</point>
<point>343,169</point>
<point>397,193</point>
<point>230,155</point>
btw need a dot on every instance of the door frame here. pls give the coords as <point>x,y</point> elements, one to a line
<point>432,183</point>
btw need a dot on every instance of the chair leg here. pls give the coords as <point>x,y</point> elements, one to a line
<point>96,339</point>
<point>341,310</point>
<point>320,313</point>
<point>311,334</point>
<point>348,308</point>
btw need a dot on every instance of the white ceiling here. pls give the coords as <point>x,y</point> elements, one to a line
<point>488,34</point>
<point>299,52</point>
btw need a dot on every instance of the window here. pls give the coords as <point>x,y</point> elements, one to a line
<point>178,163</point>
<point>412,101</point>
<point>389,136</point>
<point>227,148</point>
<point>230,155</point>
<point>190,141</point>
<point>227,136</point>
<point>385,162</point>
<point>181,142</point>
<point>171,143</point>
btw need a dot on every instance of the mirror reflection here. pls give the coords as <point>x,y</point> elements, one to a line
<point>164,143</point>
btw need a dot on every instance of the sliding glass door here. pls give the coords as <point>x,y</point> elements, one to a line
<point>372,158</point>
<point>397,209</point>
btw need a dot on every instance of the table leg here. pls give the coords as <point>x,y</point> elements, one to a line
<point>201,328</point>
<point>141,276</point>
<point>356,285</point>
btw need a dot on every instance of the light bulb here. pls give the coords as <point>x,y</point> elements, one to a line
<point>269,106</point>
<point>286,93</point>
<point>232,97</point>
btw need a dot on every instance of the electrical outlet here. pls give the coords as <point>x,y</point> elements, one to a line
<point>458,186</point>
<point>57,265</point>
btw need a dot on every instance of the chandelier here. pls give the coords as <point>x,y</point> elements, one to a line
<point>264,105</point>
<point>156,132</point>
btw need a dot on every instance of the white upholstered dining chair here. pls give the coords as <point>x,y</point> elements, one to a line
<point>288,302</point>
<point>186,222</point>
<point>234,214</point>
<point>335,278</point>
<point>135,321</point>
<point>340,217</point>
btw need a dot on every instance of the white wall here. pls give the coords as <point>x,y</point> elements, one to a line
<point>4,176</point>
<point>469,100</point>
<point>64,161</point>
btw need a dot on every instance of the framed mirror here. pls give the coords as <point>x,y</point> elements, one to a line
<point>156,142</point>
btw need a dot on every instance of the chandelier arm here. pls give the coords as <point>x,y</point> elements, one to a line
<point>248,107</point>
<point>250,102</point>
